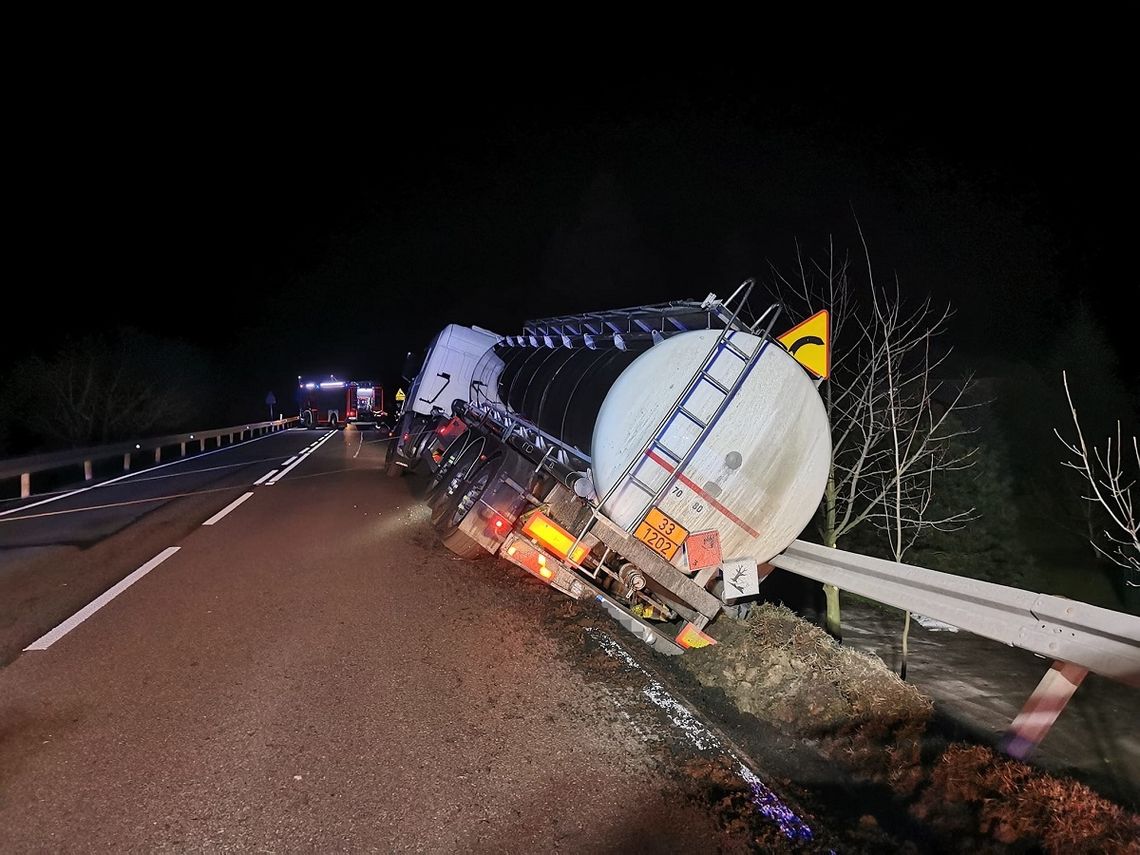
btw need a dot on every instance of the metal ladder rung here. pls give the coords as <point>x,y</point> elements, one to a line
<point>694,419</point>
<point>716,384</point>
<point>668,452</point>
<point>638,482</point>
<point>736,350</point>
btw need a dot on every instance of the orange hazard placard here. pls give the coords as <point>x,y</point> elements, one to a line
<point>702,548</point>
<point>690,637</point>
<point>661,533</point>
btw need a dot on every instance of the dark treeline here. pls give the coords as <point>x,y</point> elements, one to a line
<point>120,384</point>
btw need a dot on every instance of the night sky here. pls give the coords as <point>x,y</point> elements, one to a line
<point>288,224</point>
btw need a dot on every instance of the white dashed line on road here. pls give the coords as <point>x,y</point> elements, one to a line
<point>47,640</point>
<point>300,459</point>
<point>218,516</point>
<point>265,477</point>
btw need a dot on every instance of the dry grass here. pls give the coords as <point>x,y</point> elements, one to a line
<point>1016,804</point>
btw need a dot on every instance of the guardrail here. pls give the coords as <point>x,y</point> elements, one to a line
<point>1079,637</point>
<point>1101,640</point>
<point>25,467</point>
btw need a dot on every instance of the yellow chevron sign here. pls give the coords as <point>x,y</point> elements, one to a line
<point>810,343</point>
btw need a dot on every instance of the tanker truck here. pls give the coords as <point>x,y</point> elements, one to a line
<point>650,459</point>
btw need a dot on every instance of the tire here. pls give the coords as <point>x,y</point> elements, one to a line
<point>450,515</point>
<point>390,467</point>
<point>307,420</point>
<point>463,546</point>
<point>453,484</point>
<point>450,456</point>
<point>421,445</point>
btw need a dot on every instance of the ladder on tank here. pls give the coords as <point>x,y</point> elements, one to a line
<point>703,380</point>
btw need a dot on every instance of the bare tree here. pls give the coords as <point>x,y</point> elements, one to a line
<point>892,421</point>
<point>920,436</point>
<point>109,387</point>
<point>1106,476</point>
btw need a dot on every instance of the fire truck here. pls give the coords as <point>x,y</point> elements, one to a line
<point>333,403</point>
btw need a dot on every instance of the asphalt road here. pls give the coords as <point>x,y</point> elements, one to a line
<point>59,552</point>
<point>313,672</point>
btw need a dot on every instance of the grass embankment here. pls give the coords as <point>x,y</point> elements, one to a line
<point>791,673</point>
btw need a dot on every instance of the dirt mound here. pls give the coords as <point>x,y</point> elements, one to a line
<point>792,674</point>
<point>976,795</point>
<point>786,671</point>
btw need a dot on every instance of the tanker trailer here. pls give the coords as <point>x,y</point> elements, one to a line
<point>648,458</point>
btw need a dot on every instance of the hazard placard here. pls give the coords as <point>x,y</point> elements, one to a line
<point>400,396</point>
<point>661,533</point>
<point>690,637</point>
<point>702,549</point>
<point>810,343</point>
<point>741,578</point>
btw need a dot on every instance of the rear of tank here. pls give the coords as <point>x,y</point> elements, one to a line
<point>755,478</point>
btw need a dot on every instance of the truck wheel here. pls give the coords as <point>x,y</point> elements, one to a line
<point>391,468</point>
<point>451,514</point>
<point>453,484</point>
<point>421,445</point>
<point>462,545</point>
<point>307,420</point>
<point>442,471</point>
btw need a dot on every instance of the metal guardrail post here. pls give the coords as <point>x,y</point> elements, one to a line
<point>158,454</point>
<point>183,450</point>
<point>1042,709</point>
<point>127,462</point>
<point>25,485</point>
<point>87,473</point>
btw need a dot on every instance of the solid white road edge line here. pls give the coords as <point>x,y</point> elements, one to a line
<point>216,517</point>
<point>198,456</point>
<point>265,477</point>
<point>300,459</point>
<point>47,640</point>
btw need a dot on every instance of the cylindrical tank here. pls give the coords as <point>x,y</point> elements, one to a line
<point>756,478</point>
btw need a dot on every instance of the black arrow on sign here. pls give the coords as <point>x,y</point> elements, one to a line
<point>800,342</point>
